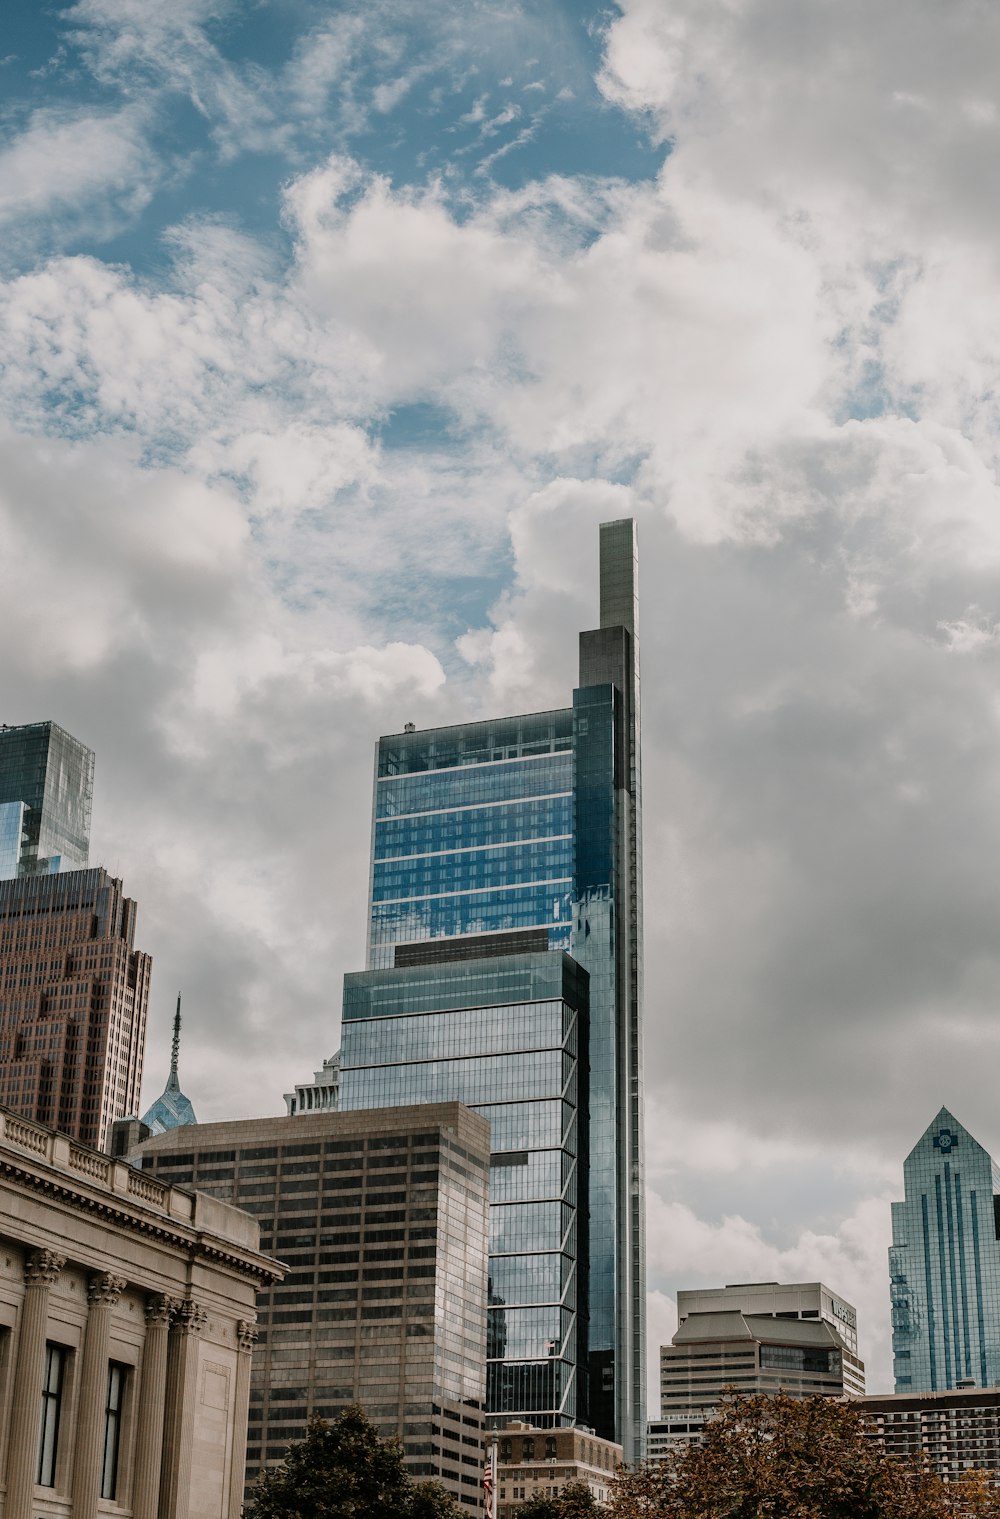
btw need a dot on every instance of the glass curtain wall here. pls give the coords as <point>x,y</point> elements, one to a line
<point>51,775</point>
<point>473,833</point>
<point>508,1037</point>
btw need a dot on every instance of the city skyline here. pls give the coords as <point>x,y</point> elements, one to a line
<point>331,335</point>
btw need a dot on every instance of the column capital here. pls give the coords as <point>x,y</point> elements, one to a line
<point>246,1335</point>
<point>105,1287</point>
<point>42,1267</point>
<point>191,1318</point>
<point>160,1310</point>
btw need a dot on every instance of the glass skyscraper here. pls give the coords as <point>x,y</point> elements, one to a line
<point>506,858</point>
<point>46,790</point>
<point>944,1264</point>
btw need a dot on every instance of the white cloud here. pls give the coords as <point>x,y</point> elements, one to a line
<point>67,161</point>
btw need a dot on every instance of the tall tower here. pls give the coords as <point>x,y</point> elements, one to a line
<point>46,789</point>
<point>73,997</point>
<point>505,970</point>
<point>607,942</point>
<point>944,1264</point>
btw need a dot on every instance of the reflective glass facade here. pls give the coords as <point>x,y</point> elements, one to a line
<point>944,1264</point>
<point>473,832</point>
<point>523,833</point>
<point>515,1056</point>
<point>49,776</point>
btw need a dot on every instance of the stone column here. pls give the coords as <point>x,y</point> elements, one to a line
<point>246,1339</point>
<point>103,1292</point>
<point>149,1411</point>
<point>40,1271</point>
<point>178,1429</point>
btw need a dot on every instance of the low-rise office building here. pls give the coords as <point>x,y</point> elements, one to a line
<point>127,1323</point>
<point>957,1432</point>
<point>538,1463</point>
<point>381,1217</point>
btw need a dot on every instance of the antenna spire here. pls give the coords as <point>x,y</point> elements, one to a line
<point>175,1047</point>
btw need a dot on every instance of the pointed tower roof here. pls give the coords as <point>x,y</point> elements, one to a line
<point>171,1110</point>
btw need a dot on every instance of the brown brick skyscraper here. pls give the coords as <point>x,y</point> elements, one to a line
<point>73,999</point>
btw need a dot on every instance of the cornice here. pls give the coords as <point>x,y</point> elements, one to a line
<point>193,1242</point>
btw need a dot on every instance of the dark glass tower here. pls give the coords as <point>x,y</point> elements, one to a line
<point>497,848</point>
<point>46,790</point>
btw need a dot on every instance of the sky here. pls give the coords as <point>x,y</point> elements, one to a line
<point>328,334</point>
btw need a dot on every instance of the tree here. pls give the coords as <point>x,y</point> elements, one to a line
<point>574,1501</point>
<point>792,1458</point>
<point>345,1471</point>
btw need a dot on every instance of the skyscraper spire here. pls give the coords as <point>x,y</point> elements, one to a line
<point>171,1110</point>
<point>173,1085</point>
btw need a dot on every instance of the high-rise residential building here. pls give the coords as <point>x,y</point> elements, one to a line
<point>770,1352</point>
<point>73,997</point>
<point>46,790</point>
<point>520,837</point>
<point>381,1220</point>
<point>954,1432</point>
<point>944,1264</point>
<point>321,1095</point>
<point>172,1109</point>
<point>539,1463</point>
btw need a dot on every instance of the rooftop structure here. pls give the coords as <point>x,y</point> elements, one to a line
<point>321,1095</point>
<point>780,1300</point>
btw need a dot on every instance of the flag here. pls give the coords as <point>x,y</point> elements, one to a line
<point>488,1487</point>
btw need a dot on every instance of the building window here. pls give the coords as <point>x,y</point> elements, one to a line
<point>112,1429</point>
<point>52,1387</point>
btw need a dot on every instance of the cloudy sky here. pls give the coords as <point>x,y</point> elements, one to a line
<point>328,334</point>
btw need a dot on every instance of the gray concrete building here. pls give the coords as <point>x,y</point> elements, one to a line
<point>381,1218</point>
<point>127,1323</point>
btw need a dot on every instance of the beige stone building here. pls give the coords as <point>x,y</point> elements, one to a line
<point>127,1322</point>
<point>537,1463</point>
<point>381,1219</point>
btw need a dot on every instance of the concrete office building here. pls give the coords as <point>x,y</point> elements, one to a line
<point>46,792</point>
<point>751,1353</point>
<point>944,1264</point>
<point>381,1219</point>
<point>539,1463</point>
<point>956,1432</point>
<point>74,993</point>
<point>521,837</point>
<point>127,1321</point>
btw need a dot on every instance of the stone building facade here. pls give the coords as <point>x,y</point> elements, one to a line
<point>538,1463</point>
<point>127,1323</point>
<point>381,1219</point>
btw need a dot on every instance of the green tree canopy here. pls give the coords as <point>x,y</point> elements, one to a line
<point>345,1471</point>
<point>792,1458</point>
